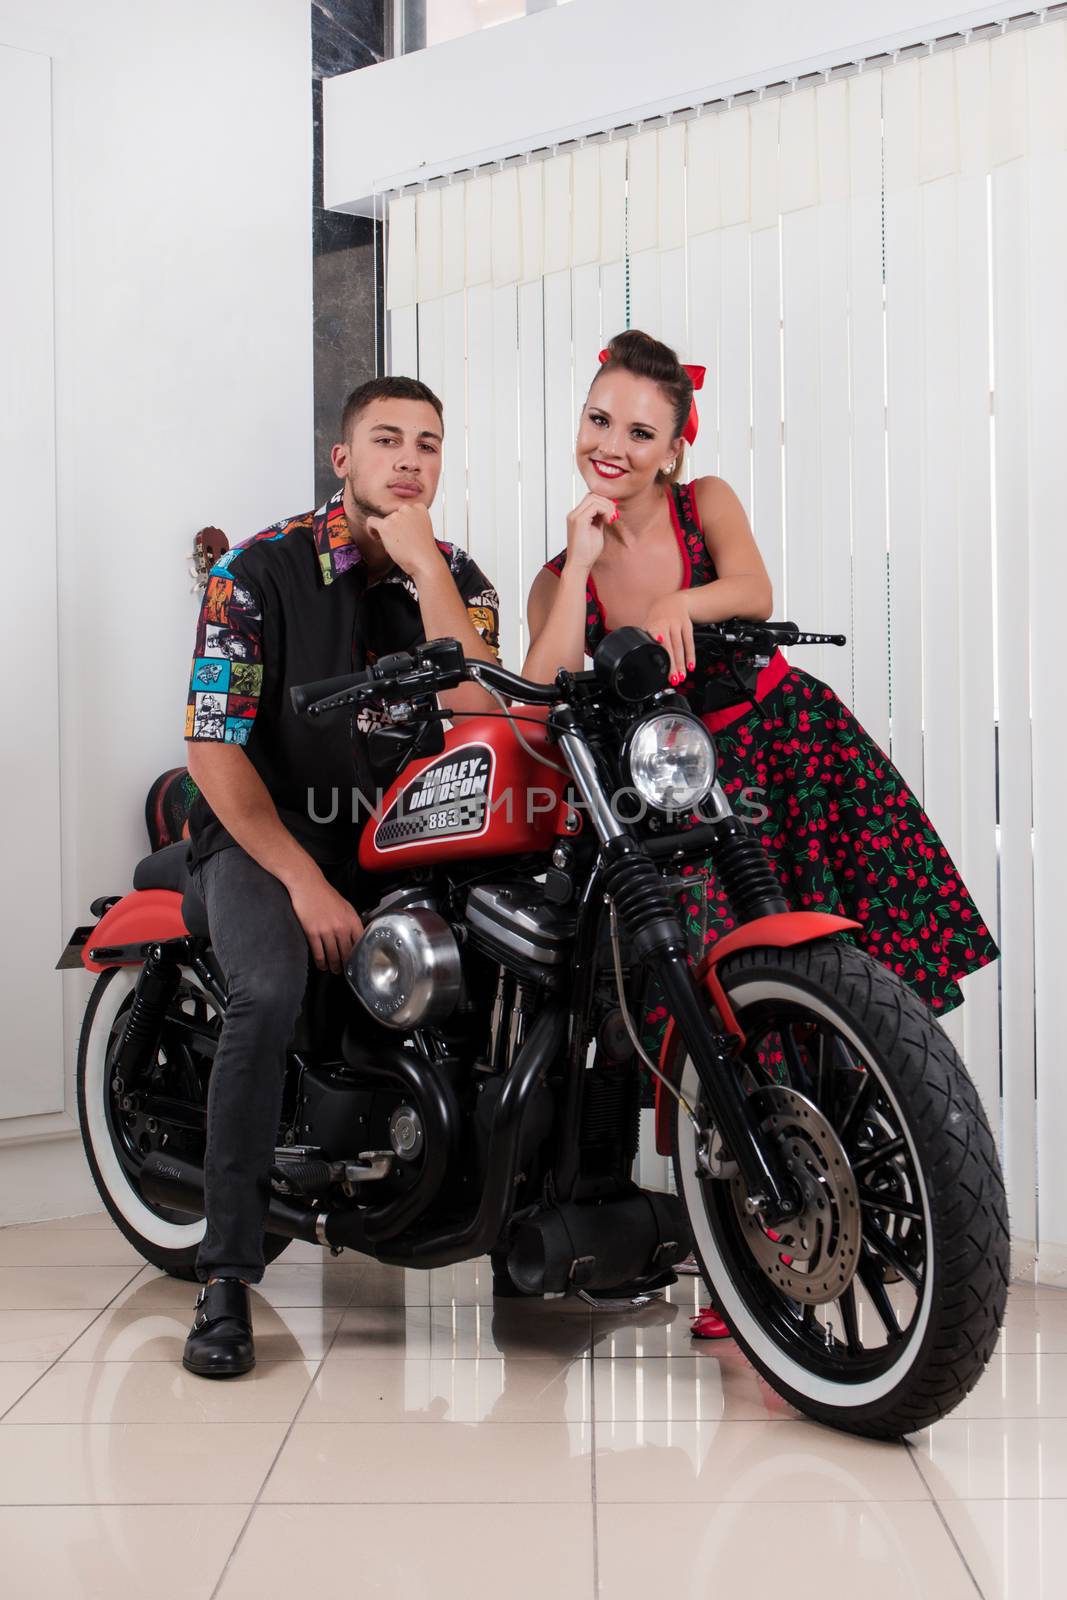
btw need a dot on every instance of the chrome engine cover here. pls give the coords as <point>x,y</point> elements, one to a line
<point>406,968</point>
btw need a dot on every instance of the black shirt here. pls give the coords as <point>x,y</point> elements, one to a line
<point>291,605</point>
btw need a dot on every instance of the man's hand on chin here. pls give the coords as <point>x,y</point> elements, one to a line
<point>407,538</point>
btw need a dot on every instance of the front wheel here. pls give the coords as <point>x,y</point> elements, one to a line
<point>876,1309</point>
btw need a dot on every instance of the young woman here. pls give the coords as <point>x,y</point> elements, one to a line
<point>843,830</point>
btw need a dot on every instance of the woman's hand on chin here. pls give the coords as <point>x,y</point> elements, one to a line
<point>585,529</point>
<point>669,622</point>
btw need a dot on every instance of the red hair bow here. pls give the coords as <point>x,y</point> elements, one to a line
<point>696,378</point>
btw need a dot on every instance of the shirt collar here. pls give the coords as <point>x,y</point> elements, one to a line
<point>335,543</point>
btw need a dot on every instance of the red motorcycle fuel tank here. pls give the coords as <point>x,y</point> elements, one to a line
<point>484,795</point>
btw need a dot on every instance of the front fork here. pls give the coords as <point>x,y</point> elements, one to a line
<point>657,938</point>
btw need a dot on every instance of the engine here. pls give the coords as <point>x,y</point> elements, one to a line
<point>407,970</point>
<point>515,925</point>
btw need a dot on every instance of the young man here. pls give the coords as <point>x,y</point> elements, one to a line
<point>273,841</point>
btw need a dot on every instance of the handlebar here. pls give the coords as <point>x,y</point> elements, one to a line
<point>757,638</point>
<point>440,664</point>
<point>437,665</point>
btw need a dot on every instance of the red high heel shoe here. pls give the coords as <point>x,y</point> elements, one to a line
<point>707,1324</point>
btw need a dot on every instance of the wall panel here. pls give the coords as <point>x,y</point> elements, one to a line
<point>1047,251</point>
<point>534,546</point>
<point>978,837</point>
<point>482,441</point>
<point>505,566</point>
<point>905,418</point>
<point>32,1083</point>
<point>1011,337</point>
<point>452,516</point>
<point>559,408</point>
<point>870,579</point>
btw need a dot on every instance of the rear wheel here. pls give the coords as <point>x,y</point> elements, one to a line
<point>120,1129</point>
<point>878,1307</point>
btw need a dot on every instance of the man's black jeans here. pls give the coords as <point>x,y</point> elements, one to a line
<point>264,955</point>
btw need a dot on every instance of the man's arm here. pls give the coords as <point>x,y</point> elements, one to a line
<point>224,691</point>
<point>239,798</point>
<point>408,538</point>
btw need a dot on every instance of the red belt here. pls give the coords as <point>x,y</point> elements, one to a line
<point>768,678</point>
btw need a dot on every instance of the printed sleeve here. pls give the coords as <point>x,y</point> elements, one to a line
<point>227,672</point>
<point>479,597</point>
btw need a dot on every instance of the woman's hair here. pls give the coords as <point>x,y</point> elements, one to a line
<point>645,357</point>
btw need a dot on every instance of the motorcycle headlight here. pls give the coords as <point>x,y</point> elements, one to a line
<point>671,758</point>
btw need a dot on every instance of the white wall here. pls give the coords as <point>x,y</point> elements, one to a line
<point>587,66</point>
<point>183,385</point>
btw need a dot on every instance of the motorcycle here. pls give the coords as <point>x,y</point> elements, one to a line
<point>472,1084</point>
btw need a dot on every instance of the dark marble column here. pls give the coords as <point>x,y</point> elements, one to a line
<point>345,34</point>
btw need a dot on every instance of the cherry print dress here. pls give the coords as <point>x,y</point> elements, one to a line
<point>844,832</point>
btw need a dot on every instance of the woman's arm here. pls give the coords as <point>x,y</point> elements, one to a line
<point>555,610</point>
<point>741,589</point>
<point>555,616</point>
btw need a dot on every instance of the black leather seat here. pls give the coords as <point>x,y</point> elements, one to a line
<point>169,869</point>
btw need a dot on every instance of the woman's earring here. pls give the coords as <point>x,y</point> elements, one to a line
<point>670,464</point>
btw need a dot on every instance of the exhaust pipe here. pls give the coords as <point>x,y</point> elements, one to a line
<point>179,1185</point>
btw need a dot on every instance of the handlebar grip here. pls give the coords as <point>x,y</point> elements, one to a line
<point>302,695</point>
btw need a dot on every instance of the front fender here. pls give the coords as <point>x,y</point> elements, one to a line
<point>781,932</point>
<point>144,916</point>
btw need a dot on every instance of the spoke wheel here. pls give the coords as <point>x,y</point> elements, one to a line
<point>899,1252</point>
<point>122,1124</point>
<point>826,1272</point>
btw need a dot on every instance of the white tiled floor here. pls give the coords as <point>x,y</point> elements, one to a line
<point>403,1435</point>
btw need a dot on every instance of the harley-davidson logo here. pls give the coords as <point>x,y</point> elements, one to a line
<point>454,781</point>
<point>448,798</point>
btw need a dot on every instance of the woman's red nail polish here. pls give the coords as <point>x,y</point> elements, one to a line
<point>659,638</point>
<point>692,666</point>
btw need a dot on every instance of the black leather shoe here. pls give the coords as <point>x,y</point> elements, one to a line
<point>220,1340</point>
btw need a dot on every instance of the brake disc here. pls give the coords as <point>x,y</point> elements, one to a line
<point>814,1255</point>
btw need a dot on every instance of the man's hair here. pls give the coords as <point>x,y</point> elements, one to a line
<point>391,388</point>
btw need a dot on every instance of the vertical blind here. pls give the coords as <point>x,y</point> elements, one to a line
<point>872,269</point>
